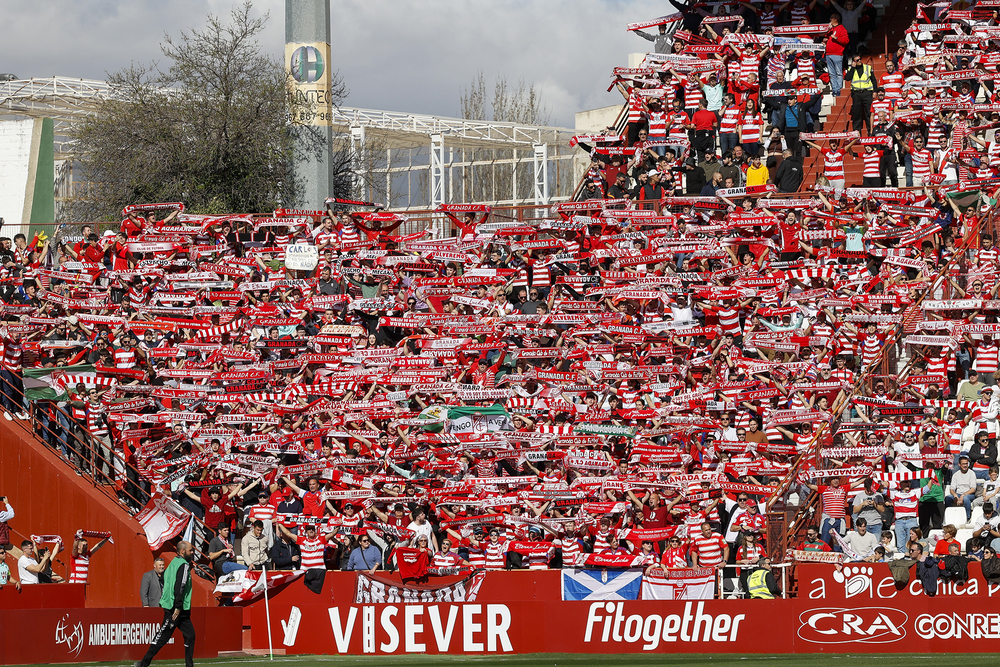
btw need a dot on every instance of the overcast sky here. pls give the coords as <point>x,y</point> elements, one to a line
<point>395,55</point>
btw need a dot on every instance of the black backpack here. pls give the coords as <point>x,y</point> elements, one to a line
<point>956,568</point>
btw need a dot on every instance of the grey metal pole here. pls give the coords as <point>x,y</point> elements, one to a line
<point>307,57</point>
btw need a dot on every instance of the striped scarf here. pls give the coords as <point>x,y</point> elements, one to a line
<point>234,325</point>
<point>902,476</point>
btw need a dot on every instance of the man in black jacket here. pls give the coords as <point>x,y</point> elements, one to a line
<point>619,190</point>
<point>590,191</point>
<point>285,554</point>
<point>887,166</point>
<point>710,188</point>
<point>652,192</point>
<point>641,179</point>
<point>794,119</point>
<point>696,178</point>
<point>789,175</point>
<point>792,122</point>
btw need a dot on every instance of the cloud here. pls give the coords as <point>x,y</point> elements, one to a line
<point>413,56</point>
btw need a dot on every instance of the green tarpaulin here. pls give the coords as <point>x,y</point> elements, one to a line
<point>965,198</point>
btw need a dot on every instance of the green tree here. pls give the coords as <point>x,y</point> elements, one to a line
<point>212,129</point>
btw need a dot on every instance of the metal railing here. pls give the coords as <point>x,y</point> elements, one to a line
<point>885,364</point>
<point>96,459</point>
<point>15,552</point>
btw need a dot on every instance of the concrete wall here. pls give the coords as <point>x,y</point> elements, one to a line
<point>595,120</point>
<point>19,142</point>
<point>43,200</point>
<point>591,121</point>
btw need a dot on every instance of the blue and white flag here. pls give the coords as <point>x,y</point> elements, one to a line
<point>601,584</point>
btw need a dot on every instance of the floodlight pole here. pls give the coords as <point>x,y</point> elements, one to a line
<point>307,59</point>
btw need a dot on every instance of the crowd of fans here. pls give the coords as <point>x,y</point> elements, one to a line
<point>729,83</point>
<point>634,381</point>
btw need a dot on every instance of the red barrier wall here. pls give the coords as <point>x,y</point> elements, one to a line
<point>522,612</point>
<point>104,635</point>
<point>49,498</point>
<point>63,596</point>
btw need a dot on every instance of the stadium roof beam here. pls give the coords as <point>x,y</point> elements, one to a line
<point>407,130</point>
<point>67,101</point>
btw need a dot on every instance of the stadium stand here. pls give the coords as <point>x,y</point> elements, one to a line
<point>648,376</point>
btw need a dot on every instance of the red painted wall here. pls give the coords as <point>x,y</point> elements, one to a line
<point>45,636</point>
<point>522,612</point>
<point>65,596</point>
<point>50,498</point>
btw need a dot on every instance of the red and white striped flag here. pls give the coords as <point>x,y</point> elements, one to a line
<point>162,519</point>
<point>248,585</point>
<point>902,476</point>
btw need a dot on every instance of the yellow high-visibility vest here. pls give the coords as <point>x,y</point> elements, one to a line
<point>757,584</point>
<point>864,80</point>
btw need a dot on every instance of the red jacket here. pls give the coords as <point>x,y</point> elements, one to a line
<point>836,40</point>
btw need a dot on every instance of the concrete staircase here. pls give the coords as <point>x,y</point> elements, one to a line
<point>894,18</point>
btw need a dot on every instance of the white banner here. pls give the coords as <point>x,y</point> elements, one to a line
<point>480,423</point>
<point>679,584</point>
<point>301,257</point>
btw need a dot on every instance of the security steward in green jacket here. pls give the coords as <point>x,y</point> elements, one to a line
<point>176,603</point>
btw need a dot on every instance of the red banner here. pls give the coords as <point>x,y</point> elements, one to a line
<point>516,613</point>
<point>377,588</point>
